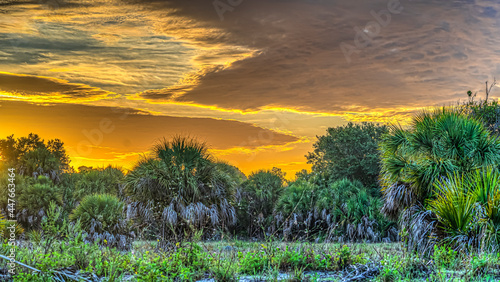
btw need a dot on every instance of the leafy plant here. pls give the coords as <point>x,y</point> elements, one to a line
<point>98,181</point>
<point>36,197</point>
<point>445,256</point>
<point>54,226</point>
<point>180,190</point>
<point>351,152</point>
<point>343,208</point>
<point>456,211</point>
<point>438,143</point>
<point>100,213</point>
<point>428,166</point>
<point>259,195</point>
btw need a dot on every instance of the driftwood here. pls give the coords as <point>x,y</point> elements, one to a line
<point>360,272</point>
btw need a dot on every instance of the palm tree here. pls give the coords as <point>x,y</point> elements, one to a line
<point>467,209</point>
<point>180,189</point>
<point>437,145</point>
<point>259,194</point>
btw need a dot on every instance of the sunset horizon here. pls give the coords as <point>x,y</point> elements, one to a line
<point>255,80</point>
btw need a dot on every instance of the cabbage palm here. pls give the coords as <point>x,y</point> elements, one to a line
<point>180,185</point>
<point>100,213</point>
<point>259,195</point>
<point>456,210</point>
<point>438,143</point>
<point>467,208</point>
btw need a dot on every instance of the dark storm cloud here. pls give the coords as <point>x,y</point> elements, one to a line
<point>422,57</point>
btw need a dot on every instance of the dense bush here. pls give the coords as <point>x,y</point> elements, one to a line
<point>179,190</point>
<point>349,151</point>
<point>258,197</point>
<point>430,161</point>
<point>341,210</point>
<point>100,213</point>
<point>33,199</point>
<point>98,181</point>
<point>467,208</point>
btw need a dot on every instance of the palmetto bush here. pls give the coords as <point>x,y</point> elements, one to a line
<point>456,211</point>
<point>100,213</point>
<point>467,209</point>
<point>33,199</point>
<point>257,198</point>
<point>439,150</point>
<point>99,181</point>
<point>89,181</point>
<point>178,190</point>
<point>341,210</point>
<point>438,143</point>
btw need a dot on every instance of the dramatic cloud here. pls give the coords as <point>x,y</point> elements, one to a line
<point>430,53</point>
<point>45,89</point>
<point>110,45</point>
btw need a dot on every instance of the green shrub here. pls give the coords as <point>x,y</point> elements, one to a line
<point>100,213</point>
<point>37,196</point>
<point>316,208</point>
<point>224,270</point>
<point>455,208</point>
<point>98,181</point>
<point>182,189</point>
<point>253,262</point>
<point>425,177</point>
<point>184,264</point>
<point>438,143</point>
<point>344,257</point>
<point>445,256</point>
<point>259,195</point>
<point>351,152</point>
<point>392,268</point>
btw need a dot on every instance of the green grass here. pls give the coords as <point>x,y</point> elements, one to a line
<point>233,259</point>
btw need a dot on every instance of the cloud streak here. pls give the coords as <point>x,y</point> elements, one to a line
<point>45,89</point>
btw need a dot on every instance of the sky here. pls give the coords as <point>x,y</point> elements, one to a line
<point>257,80</point>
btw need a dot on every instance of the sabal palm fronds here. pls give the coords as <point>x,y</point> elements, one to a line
<point>100,213</point>
<point>436,144</point>
<point>259,194</point>
<point>182,185</point>
<point>492,212</point>
<point>486,183</point>
<point>455,206</point>
<point>433,176</point>
<point>418,229</point>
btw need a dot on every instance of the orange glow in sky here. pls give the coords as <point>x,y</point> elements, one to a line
<point>110,77</point>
